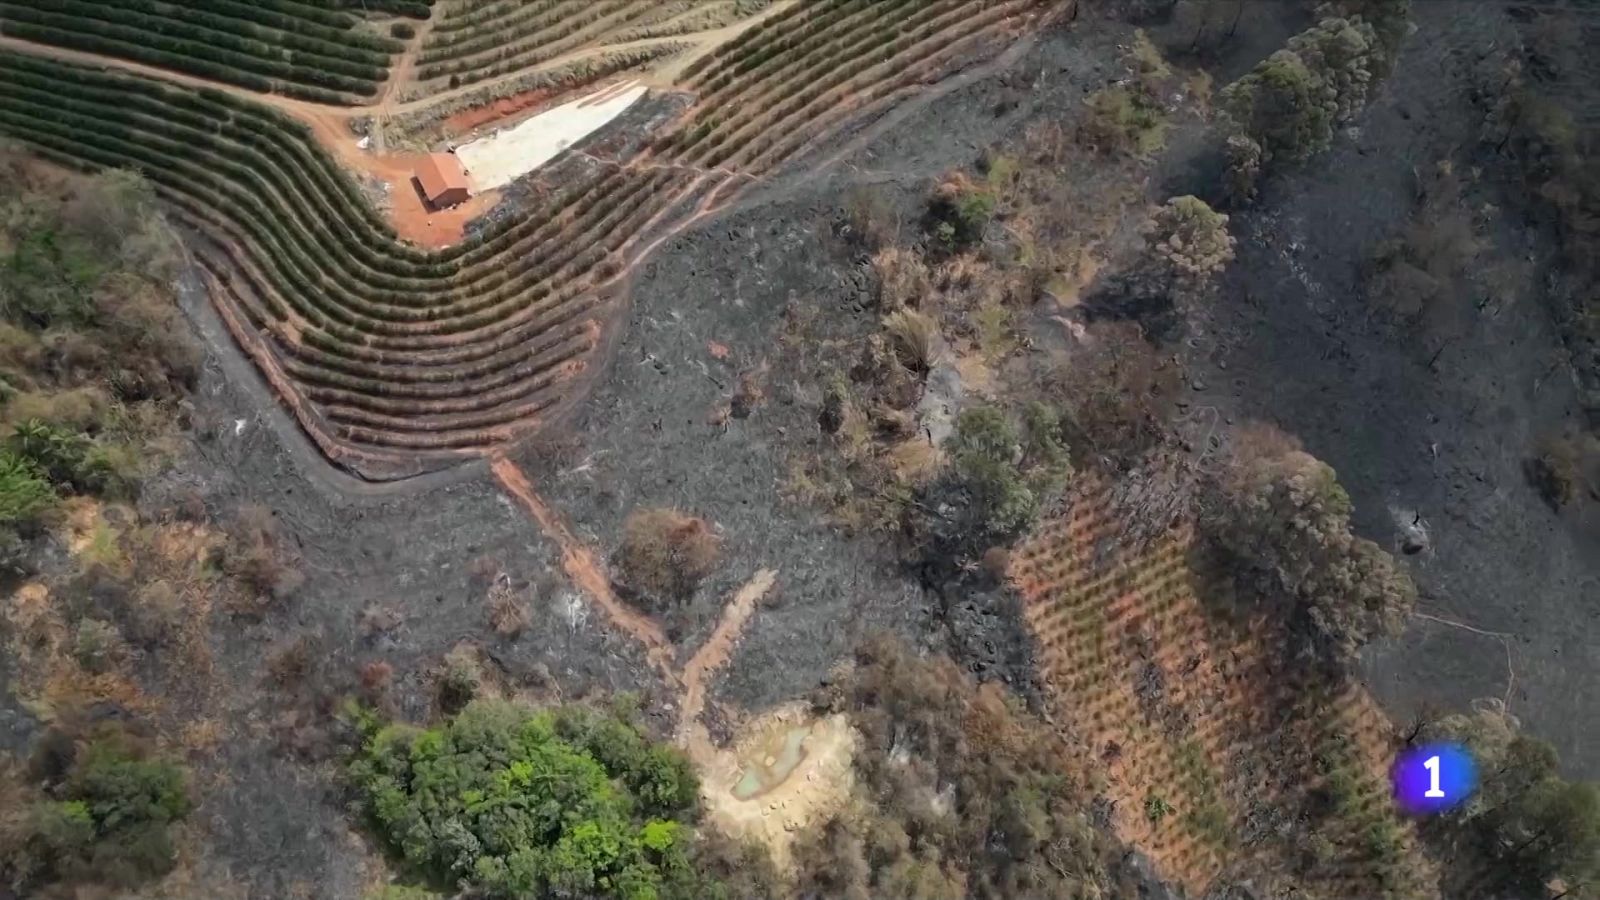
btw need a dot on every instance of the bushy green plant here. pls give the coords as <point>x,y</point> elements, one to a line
<point>1006,473</point>
<point>567,802</point>
<point>985,450</point>
<point>960,211</point>
<point>105,815</point>
<point>24,494</point>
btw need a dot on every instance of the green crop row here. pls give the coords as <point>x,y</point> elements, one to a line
<point>117,20</point>
<point>414,9</point>
<point>527,37</point>
<point>182,55</point>
<point>331,45</point>
<point>483,31</point>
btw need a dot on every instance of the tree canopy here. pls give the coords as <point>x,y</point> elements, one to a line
<point>1281,515</point>
<point>568,801</point>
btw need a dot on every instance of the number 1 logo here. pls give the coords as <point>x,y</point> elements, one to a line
<point>1433,792</point>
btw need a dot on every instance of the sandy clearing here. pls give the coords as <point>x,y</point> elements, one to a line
<point>818,780</point>
<point>496,161</point>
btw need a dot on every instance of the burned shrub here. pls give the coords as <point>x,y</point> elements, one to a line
<point>959,212</point>
<point>1556,470</point>
<point>666,553</point>
<point>260,558</point>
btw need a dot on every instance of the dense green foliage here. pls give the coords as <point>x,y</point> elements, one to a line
<point>104,814</point>
<point>1006,473</point>
<point>966,794</point>
<point>566,802</point>
<point>1526,825</point>
<point>290,48</point>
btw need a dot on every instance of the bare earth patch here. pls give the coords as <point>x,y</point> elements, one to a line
<point>784,772</point>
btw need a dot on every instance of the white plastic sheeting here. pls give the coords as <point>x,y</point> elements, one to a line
<point>503,157</point>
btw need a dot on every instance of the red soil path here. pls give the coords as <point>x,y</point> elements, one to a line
<point>584,568</point>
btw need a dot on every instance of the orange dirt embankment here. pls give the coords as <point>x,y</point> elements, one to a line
<point>478,116</point>
<point>584,568</point>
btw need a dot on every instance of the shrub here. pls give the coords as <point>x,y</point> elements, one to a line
<point>257,555</point>
<point>508,613</point>
<point>1188,244</point>
<point>460,678</point>
<point>915,338</point>
<point>557,802</point>
<point>1556,470</point>
<point>404,31</point>
<point>1242,177</point>
<point>960,210</point>
<point>1424,269</point>
<point>665,554</point>
<point>97,645</point>
<point>984,451</point>
<point>1004,473</point>
<point>1120,119</point>
<point>25,495</point>
<point>1156,808</point>
<point>104,814</point>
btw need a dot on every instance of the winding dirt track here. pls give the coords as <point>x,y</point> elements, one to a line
<point>584,567</point>
<point>715,651</point>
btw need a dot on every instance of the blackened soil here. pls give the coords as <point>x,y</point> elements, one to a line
<point>1435,421</point>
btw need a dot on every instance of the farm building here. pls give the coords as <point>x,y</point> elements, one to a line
<point>443,180</point>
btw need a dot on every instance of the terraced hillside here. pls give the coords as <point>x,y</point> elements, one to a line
<point>1212,740</point>
<point>276,46</point>
<point>396,358</point>
<point>477,40</point>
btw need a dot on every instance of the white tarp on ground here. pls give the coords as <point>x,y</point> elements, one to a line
<point>501,158</point>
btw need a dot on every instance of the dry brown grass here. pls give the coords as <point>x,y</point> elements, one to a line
<point>260,558</point>
<point>915,338</point>
<point>508,611</point>
<point>666,553</point>
<point>902,276</point>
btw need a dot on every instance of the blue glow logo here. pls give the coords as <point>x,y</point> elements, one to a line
<point>1433,778</point>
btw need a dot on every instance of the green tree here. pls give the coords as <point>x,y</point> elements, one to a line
<point>1281,514</point>
<point>570,801</point>
<point>1342,54</point>
<point>1187,245</point>
<point>1527,825</point>
<point>1278,105</point>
